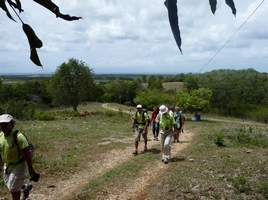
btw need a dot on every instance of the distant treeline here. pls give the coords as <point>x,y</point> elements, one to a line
<point>240,93</point>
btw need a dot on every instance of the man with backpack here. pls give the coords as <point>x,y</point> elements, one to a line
<point>167,124</point>
<point>16,158</point>
<point>141,122</point>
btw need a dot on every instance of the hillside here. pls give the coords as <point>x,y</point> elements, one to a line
<point>90,158</point>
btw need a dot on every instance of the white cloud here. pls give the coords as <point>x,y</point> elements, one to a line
<point>134,35</point>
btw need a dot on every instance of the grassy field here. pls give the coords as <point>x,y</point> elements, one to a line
<point>64,145</point>
<point>229,162</point>
<point>225,160</point>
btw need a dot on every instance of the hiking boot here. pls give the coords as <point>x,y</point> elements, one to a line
<point>166,161</point>
<point>135,153</point>
<point>26,191</point>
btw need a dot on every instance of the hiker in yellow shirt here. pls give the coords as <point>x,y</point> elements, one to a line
<point>167,124</point>
<point>141,123</point>
<point>15,156</point>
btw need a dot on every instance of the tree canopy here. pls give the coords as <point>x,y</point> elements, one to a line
<point>72,84</point>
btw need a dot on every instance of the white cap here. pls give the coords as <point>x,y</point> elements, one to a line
<point>163,109</point>
<point>6,118</point>
<point>139,106</point>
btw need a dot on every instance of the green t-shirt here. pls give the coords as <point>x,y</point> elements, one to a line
<point>167,122</point>
<point>9,150</point>
<point>141,119</point>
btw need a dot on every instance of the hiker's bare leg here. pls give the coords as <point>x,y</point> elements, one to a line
<point>137,139</point>
<point>15,195</point>
<point>144,135</point>
<point>179,132</point>
<point>136,146</point>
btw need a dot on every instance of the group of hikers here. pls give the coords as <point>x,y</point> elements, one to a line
<point>16,151</point>
<point>168,122</point>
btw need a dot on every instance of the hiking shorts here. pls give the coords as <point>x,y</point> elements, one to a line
<point>15,179</point>
<point>138,133</point>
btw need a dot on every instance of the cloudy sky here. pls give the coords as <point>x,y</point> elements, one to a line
<point>133,36</point>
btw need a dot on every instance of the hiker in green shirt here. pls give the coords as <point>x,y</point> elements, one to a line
<point>141,122</point>
<point>15,156</point>
<point>167,124</point>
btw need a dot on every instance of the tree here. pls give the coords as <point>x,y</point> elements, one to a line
<point>154,83</point>
<point>151,98</point>
<point>120,91</point>
<point>35,42</point>
<point>196,100</point>
<point>72,83</point>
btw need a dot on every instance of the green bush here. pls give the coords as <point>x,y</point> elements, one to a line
<point>258,114</point>
<point>44,116</point>
<point>219,140</point>
<point>19,109</point>
<point>151,98</point>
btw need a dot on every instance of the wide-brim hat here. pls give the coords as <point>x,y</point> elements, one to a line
<point>163,109</point>
<point>6,118</point>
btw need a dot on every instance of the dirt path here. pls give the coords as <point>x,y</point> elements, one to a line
<point>66,189</point>
<point>134,189</point>
<point>55,189</point>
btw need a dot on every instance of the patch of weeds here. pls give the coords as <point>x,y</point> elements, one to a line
<point>44,116</point>
<point>241,184</point>
<point>110,113</point>
<point>263,189</point>
<point>248,137</point>
<point>219,140</point>
<point>65,114</point>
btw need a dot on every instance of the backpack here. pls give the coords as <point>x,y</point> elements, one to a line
<point>16,132</point>
<point>142,118</point>
<point>178,118</point>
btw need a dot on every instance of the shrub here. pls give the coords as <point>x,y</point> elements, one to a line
<point>219,140</point>
<point>44,116</point>
<point>151,98</point>
<point>259,114</point>
<point>19,109</point>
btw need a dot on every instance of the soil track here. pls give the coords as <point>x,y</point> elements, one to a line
<point>135,189</point>
<point>55,189</point>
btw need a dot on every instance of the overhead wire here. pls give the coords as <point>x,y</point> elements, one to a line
<point>231,37</point>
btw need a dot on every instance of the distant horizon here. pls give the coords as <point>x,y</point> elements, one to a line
<point>130,73</point>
